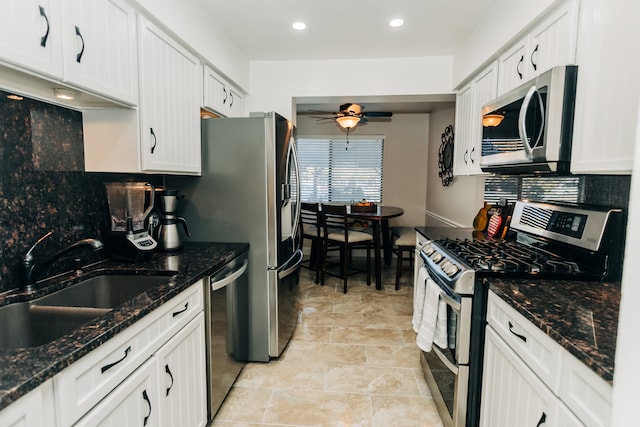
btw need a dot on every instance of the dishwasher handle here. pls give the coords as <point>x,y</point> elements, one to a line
<point>218,284</point>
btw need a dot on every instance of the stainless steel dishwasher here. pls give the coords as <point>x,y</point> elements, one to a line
<point>226,330</point>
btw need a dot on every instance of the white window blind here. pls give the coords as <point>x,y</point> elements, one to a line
<point>336,171</point>
<point>552,188</point>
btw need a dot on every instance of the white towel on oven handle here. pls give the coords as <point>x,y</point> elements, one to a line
<point>433,326</point>
<point>418,297</point>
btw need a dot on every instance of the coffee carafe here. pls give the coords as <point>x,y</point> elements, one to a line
<point>130,204</point>
<point>168,236</point>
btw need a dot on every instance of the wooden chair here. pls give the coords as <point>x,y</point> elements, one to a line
<point>404,247</point>
<point>337,235</point>
<point>312,230</point>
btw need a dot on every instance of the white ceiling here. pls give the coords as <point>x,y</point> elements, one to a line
<point>339,29</point>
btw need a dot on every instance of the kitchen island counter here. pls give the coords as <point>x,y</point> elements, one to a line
<point>24,369</point>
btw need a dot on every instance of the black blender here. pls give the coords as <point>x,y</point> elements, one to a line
<point>167,235</point>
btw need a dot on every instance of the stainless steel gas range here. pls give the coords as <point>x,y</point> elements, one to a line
<point>550,241</point>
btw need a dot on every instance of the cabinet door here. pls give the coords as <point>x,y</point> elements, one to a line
<point>134,403</point>
<point>607,105</point>
<point>512,395</point>
<point>182,377</point>
<point>99,43</point>
<point>171,94</point>
<point>514,68</point>
<point>553,42</point>
<point>236,104</point>
<point>485,87</point>
<point>35,409</point>
<point>215,94</point>
<point>30,35</point>
<point>464,107</point>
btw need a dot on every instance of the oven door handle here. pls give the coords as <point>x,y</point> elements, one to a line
<point>455,305</point>
<point>450,366</point>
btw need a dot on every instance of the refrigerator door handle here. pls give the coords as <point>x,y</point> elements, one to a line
<point>291,265</point>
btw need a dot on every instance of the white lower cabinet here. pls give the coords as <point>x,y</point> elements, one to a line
<point>512,395</point>
<point>81,387</point>
<point>180,366</point>
<point>530,380</point>
<point>35,409</point>
<point>133,403</point>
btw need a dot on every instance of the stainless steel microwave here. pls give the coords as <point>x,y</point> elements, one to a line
<point>530,128</point>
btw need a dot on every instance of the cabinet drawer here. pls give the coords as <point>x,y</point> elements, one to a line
<point>35,409</point>
<point>83,384</point>
<point>538,350</point>
<point>585,393</point>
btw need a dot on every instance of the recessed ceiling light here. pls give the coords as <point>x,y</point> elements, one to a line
<point>299,26</point>
<point>396,22</point>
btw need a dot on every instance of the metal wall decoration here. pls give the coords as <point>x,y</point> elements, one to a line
<point>445,156</point>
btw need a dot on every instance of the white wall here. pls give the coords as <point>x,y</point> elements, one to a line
<point>457,203</point>
<point>274,84</point>
<point>405,159</point>
<point>191,21</point>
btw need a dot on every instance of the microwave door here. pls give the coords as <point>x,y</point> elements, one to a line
<point>531,120</point>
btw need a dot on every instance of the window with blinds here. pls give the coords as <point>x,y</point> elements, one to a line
<point>336,171</point>
<point>557,188</point>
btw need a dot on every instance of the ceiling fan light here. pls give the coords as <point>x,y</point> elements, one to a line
<point>348,122</point>
<point>492,120</point>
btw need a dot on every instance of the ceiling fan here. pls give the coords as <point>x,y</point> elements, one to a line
<point>351,115</point>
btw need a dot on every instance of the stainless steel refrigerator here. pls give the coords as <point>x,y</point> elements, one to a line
<point>249,192</point>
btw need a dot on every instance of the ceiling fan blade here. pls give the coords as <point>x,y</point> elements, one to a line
<point>378,114</point>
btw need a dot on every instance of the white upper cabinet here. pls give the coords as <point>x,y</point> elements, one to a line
<point>468,135</point>
<point>220,97</point>
<point>170,99</point>
<point>99,44</point>
<point>30,35</point>
<point>551,42</point>
<point>608,86</point>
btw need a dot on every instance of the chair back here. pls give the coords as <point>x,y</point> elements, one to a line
<point>311,219</point>
<point>335,220</point>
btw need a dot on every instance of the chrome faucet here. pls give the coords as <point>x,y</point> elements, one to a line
<point>29,268</point>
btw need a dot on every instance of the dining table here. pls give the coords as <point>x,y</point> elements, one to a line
<point>380,223</point>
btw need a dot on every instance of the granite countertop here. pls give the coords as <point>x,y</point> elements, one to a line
<point>581,316</point>
<point>24,369</point>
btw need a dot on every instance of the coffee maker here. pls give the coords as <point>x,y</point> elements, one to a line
<point>167,235</point>
<point>130,204</point>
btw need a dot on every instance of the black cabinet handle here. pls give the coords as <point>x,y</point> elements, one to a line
<point>186,305</point>
<point>155,141</point>
<point>231,101</point>
<point>224,99</point>
<point>145,396</point>
<point>168,371</point>
<point>79,55</point>
<point>518,67</point>
<point>105,368</point>
<point>543,419</point>
<point>43,39</point>
<point>465,156</point>
<point>522,337</point>
<point>471,155</point>
<point>535,66</point>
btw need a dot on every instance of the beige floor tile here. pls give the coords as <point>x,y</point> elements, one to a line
<point>386,320</point>
<point>404,411</point>
<point>323,318</point>
<point>352,335</point>
<point>371,379</point>
<point>312,333</point>
<point>323,353</point>
<point>302,408</point>
<point>285,374</point>
<point>244,405</point>
<point>405,356</point>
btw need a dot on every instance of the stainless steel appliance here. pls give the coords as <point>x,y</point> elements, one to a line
<point>553,241</point>
<point>248,192</point>
<point>167,233</point>
<point>130,204</point>
<point>530,128</point>
<point>226,330</point>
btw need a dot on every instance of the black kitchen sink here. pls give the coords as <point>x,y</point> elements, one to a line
<point>43,320</point>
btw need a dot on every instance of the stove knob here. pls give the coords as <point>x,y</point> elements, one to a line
<point>436,257</point>
<point>452,270</point>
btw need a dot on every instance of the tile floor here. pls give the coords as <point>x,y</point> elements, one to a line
<point>352,362</point>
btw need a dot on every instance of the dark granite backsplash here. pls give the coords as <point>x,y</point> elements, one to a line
<point>43,185</point>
